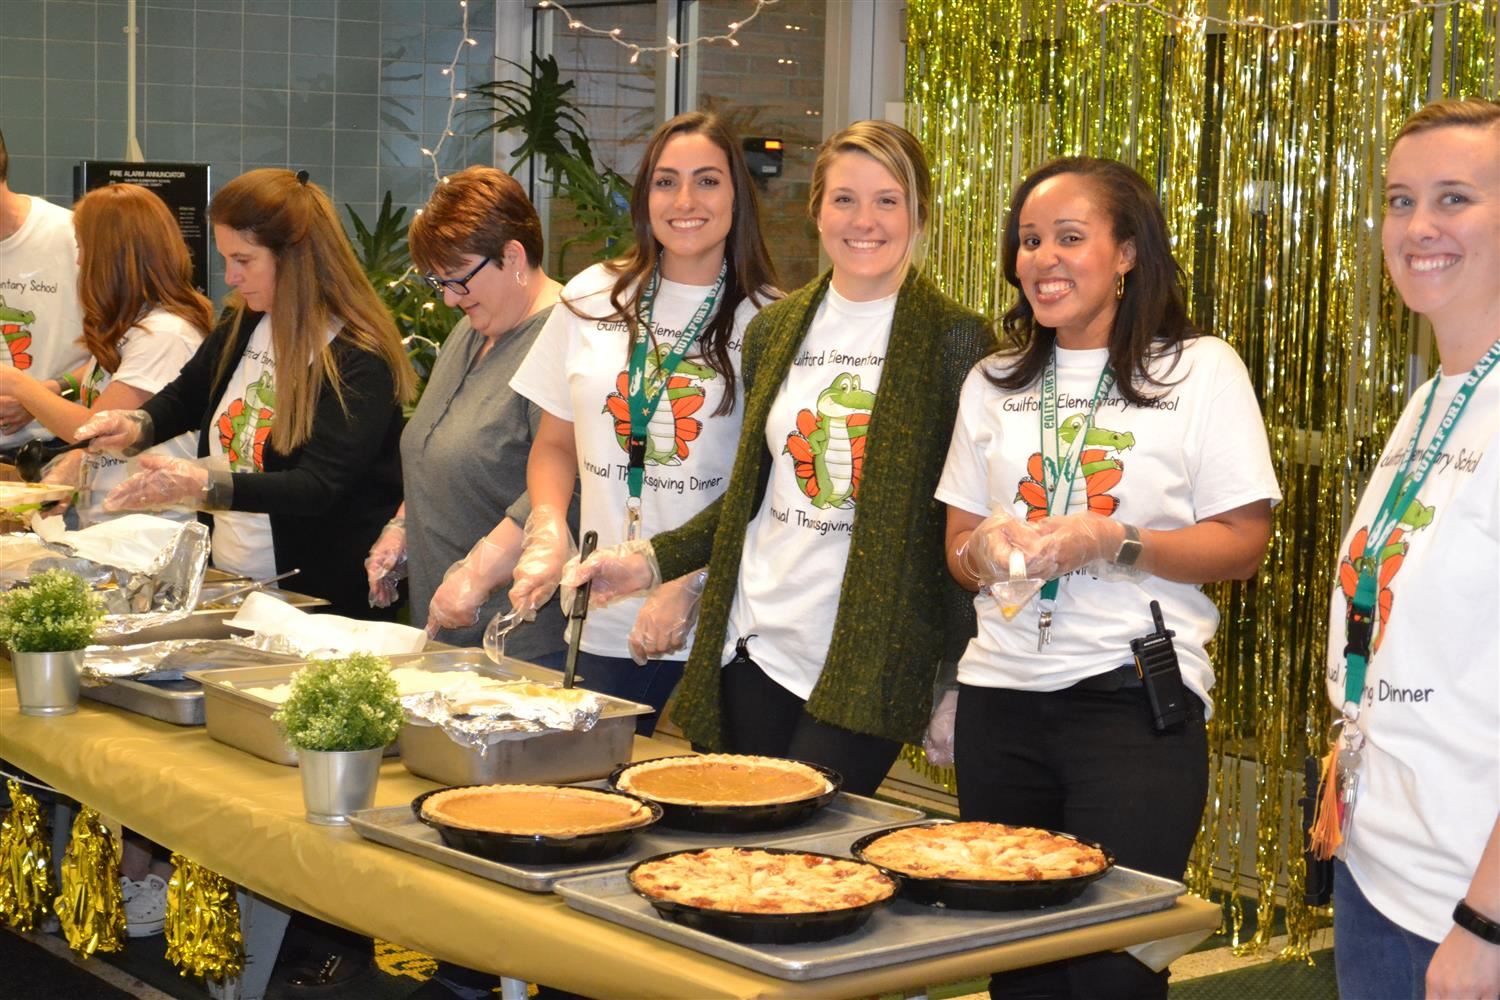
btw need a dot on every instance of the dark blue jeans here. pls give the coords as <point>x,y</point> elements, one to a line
<point>620,676</point>
<point>1375,959</point>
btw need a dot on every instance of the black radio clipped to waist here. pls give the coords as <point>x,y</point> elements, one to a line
<point>1156,665</point>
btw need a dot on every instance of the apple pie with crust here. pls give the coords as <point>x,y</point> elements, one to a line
<point>749,880</point>
<point>721,779</point>
<point>984,852</point>
<point>535,810</point>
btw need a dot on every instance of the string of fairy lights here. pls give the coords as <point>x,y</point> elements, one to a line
<point>672,46</point>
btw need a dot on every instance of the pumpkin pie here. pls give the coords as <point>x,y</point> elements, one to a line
<point>750,880</point>
<point>723,780</point>
<point>535,810</point>
<point>984,852</point>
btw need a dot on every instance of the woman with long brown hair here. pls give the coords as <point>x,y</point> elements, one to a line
<point>296,397</point>
<point>142,321</point>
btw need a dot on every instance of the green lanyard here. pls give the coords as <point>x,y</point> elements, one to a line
<point>1059,470</point>
<point>1360,624</point>
<point>646,393</point>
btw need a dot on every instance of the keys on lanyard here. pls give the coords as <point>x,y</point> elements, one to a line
<point>632,518</point>
<point>1043,630</point>
<point>1351,747</point>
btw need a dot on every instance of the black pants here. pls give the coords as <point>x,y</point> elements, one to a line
<point>762,717</point>
<point>1088,763</point>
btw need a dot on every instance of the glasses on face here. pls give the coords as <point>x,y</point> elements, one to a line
<point>459,286</point>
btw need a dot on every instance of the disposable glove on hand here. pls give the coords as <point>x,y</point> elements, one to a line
<point>939,739</point>
<point>545,549</point>
<point>616,572</point>
<point>64,470</point>
<point>385,565</point>
<point>469,582</point>
<point>987,552</point>
<point>667,617</point>
<point>1073,541</point>
<point>166,482</point>
<point>119,432</point>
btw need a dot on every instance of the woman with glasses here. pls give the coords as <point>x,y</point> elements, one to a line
<point>480,241</point>
<point>296,397</point>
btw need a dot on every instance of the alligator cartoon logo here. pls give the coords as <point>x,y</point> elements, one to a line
<point>245,425</point>
<point>13,326</point>
<point>1416,517</point>
<point>1098,473</point>
<point>828,445</point>
<point>673,425</point>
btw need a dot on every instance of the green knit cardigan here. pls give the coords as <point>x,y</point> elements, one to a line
<point>899,612</point>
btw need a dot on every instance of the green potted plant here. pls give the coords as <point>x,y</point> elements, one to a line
<point>46,623</point>
<point>339,717</point>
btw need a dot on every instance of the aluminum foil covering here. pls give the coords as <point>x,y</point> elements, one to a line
<point>157,590</point>
<point>480,719</point>
<point>166,660</point>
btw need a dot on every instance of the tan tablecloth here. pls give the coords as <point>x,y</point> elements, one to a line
<point>243,818</point>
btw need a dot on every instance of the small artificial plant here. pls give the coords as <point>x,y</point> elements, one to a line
<point>54,612</point>
<point>342,705</point>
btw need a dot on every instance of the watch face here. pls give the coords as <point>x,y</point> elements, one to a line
<point>1130,547</point>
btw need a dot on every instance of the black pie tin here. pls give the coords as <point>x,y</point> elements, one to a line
<point>763,928</point>
<point>986,894</point>
<point>738,819</point>
<point>536,849</point>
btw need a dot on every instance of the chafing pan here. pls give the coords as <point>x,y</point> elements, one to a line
<point>740,819</point>
<point>986,894</point>
<point>763,928</point>
<point>536,849</point>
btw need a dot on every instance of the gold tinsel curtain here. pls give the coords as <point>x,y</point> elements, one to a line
<point>1264,125</point>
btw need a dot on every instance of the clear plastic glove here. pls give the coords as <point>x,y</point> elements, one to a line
<point>1073,541</point>
<point>939,739</point>
<point>469,582</point>
<point>545,550</point>
<point>120,432</point>
<point>64,470</point>
<point>988,553</point>
<point>664,621</point>
<point>617,572</point>
<point>385,565</point>
<point>165,482</point>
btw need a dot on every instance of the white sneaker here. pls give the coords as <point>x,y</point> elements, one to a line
<point>145,905</point>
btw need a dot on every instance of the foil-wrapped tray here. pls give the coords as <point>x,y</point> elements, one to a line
<point>896,934</point>
<point>847,816</point>
<point>165,694</point>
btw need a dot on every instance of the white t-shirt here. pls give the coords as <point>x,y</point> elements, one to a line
<point>801,533</point>
<point>1199,450</point>
<point>241,430</point>
<point>151,354</point>
<point>40,316</point>
<point>577,371</point>
<point>1429,783</point>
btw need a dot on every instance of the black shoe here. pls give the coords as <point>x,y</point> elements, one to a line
<point>324,974</point>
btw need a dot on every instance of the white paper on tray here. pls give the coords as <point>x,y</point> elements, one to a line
<point>134,542</point>
<point>325,635</point>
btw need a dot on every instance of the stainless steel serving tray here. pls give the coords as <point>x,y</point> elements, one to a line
<point>898,933</point>
<point>395,826</point>
<point>207,623</point>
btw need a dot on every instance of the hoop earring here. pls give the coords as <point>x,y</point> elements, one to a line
<point>1120,285</point>
<point>520,280</point>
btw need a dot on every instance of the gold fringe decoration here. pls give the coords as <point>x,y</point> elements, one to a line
<point>25,863</point>
<point>90,903</point>
<point>1265,132</point>
<point>203,922</point>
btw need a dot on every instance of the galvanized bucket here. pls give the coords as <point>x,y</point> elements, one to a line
<point>336,783</point>
<point>47,683</point>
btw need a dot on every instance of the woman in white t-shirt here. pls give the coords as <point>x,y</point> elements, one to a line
<point>656,331</point>
<point>142,321</point>
<point>1416,897</point>
<point>1165,483</point>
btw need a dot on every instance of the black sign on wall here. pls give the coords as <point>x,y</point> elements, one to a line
<point>183,186</point>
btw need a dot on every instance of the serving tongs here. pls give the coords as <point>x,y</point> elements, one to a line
<point>252,585</point>
<point>579,612</point>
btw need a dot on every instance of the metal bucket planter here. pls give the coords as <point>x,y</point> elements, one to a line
<point>336,783</point>
<point>47,683</point>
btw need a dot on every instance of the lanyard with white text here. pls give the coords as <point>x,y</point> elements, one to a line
<point>1059,470</point>
<point>646,390</point>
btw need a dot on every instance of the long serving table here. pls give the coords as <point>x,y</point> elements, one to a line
<point>242,817</point>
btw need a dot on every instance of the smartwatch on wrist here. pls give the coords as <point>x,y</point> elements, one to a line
<point>1130,547</point>
<point>1476,923</point>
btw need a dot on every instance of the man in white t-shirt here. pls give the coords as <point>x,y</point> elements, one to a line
<point>40,317</point>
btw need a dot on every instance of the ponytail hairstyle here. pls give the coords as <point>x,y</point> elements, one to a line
<point>131,260</point>
<point>319,283</point>
<point>749,273</point>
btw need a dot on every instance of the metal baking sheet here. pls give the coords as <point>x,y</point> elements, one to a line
<point>395,826</point>
<point>206,623</point>
<point>898,933</point>
<point>179,702</point>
